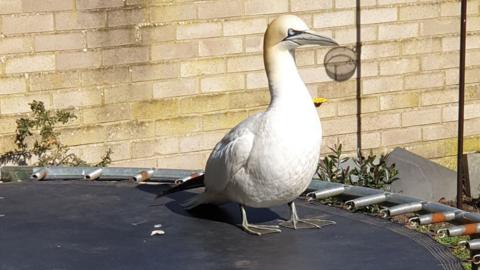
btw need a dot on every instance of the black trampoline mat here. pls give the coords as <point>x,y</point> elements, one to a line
<point>91,225</point>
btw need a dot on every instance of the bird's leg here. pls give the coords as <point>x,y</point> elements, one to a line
<point>307,223</point>
<point>256,229</point>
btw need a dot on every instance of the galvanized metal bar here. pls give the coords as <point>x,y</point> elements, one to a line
<point>434,218</point>
<point>395,198</point>
<point>402,209</point>
<point>110,173</point>
<point>326,193</point>
<point>366,200</point>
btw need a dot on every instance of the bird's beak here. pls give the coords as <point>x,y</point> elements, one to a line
<point>310,38</point>
<point>319,101</point>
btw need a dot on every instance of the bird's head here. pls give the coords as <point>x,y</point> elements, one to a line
<point>288,32</point>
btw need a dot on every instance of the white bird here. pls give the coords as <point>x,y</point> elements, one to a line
<point>270,158</point>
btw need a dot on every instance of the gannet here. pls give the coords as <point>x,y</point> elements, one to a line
<point>270,158</point>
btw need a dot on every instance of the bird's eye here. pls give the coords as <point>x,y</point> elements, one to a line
<point>291,32</point>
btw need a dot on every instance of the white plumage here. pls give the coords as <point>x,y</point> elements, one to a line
<point>270,158</point>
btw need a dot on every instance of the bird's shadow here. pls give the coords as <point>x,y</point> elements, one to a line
<point>227,213</point>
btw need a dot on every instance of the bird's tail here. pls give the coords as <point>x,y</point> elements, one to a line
<point>194,181</point>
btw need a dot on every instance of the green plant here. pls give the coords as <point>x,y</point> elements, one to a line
<point>368,171</point>
<point>46,148</point>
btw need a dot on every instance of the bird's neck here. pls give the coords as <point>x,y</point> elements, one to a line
<point>285,84</point>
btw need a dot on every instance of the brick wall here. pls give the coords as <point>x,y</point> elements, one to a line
<point>161,81</point>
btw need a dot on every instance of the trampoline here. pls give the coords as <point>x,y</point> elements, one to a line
<point>107,225</point>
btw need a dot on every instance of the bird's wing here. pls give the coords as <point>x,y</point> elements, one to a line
<point>230,155</point>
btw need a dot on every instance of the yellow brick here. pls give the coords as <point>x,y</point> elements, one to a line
<point>136,163</point>
<point>453,8</point>
<point>58,42</point>
<point>421,117</point>
<point>453,44</point>
<point>199,30</point>
<point>104,76</point>
<point>30,64</point>
<point>398,31</point>
<point>382,85</point>
<point>222,83</point>
<point>130,130</point>
<point>304,57</point>
<point>220,46</point>
<point>128,93</point>
<point>245,63</point>
<point>257,80</point>
<point>175,88</point>
<point>157,109</point>
<point>400,66</point>
<point>109,113</point>
<point>192,143</point>
<point>203,103</point>
<point>435,149</point>
<point>314,74</point>
<point>177,50</point>
<point>127,17</point>
<point>337,89</point>
<point>10,6</point>
<point>158,33</point>
<point>244,27</point>
<point>178,126</point>
<point>19,104</point>
<point>437,132</point>
<point>471,111</point>
<point>449,162</point>
<point>253,44</point>
<point>419,46</point>
<point>339,125</point>
<point>424,80</point>
<point>109,38</point>
<point>419,12</point>
<point>328,109</point>
<point>120,151</point>
<point>128,55</point>
<point>170,13</point>
<point>352,4</point>
<point>379,15</point>
<point>334,19</point>
<point>78,60</point>
<point>349,107</point>
<point>246,99</point>
<point>439,27</point>
<point>220,9</point>
<point>307,5</point>
<point>7,125</point>
<point>369,141</point>
<point>15,45</point>
<point>79,20</point>
<point>155,72</point>
<point>12,85</point>
<point>185,161</point>
<point>7,143</point>
<point>84,135</point>
<point>149,148</point>
<point>202,67</point>
<point>94,4</point>
<point>439,97</point>
<point>375,51</point>
<point>255,7</point>
<point>471,144</point>
<point>381,121</point>
<point>47,81</point>
<point>407,100</point>
<point>27,23</point>
<point>223,120</point>
<point>440,61</point>
<point>348,35</point>
<point>77,98</point>
<point>401,136</point>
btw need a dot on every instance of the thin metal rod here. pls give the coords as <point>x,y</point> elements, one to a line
<point>461,102</point>
<point>359,74</point>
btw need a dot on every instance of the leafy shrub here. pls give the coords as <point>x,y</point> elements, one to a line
<point>368,171</point>
<point>46,147</point>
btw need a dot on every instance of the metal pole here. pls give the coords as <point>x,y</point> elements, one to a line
<point>359,75</point>
<point>461,102</point>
